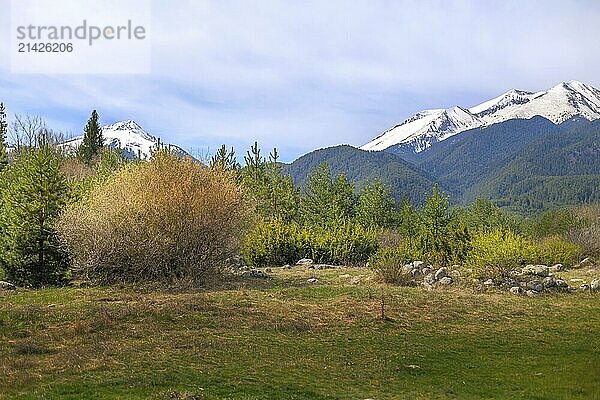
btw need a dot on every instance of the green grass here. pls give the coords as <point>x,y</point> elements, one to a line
<point>283,339</point>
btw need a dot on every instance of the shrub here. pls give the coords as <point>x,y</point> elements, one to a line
<point>495,253</point>
<point>588,234</point>
<point>274,242</point>
<point>556,250</point>
<point>388,263</point>
<point>165,219</point>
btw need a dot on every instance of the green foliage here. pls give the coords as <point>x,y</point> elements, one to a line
<point>495,253</point>
<point>327,201</point>
<point>375,206</point>
<point>556,250</point>
<point>161,220</point>
<point>3,134</point>
<point>33,194</point>
<point>275,243</point>
<point>485,215</point>
<point>388,263</point>
<point>556,222</point>
<point>409,219</point>
<point>93,141</point>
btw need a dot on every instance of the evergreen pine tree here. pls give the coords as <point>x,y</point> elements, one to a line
<point>375,206</point>
<point>3,134</point>
<point>93,141</point>
<point>224,159</point>
<point>435,222</point>
<point>33,195</point>
<point>326,201</point>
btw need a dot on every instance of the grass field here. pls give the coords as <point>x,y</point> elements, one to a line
<point>284,339</point>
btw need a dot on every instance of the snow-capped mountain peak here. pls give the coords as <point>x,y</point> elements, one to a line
<point>128,136</point>
<point>558,104</point>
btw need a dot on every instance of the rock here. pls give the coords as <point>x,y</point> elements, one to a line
<point>557,268</point>
<point>323,266</point>
<point>539,270</point>
<point>426,271</point>
<point>427,286</point>
<point>255,273</point>
<point>7,286</point>
<point>577,280</point>
<point>532,293</point>
<point>287,266</point>
<point>489,282</point>
<point>445,281</point>
<point>586,263</point>
<point>535,285</point>
<point>414,272</point>
<point>429,279</point>
<point>305,261</point>
<point>516,290</point>
<point>407,268</point>
<point>355,280</point>
<point>441,273</point>
<point>312,280</point>
<point>549,282</point>
<point>418,264</point>
<point>510,282</point>
<point>584,287</point>
<point>561,284</point>
<point>345,276</point>
<point>595,285</point>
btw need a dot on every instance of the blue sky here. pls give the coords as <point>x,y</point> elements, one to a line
<point>300,75</point>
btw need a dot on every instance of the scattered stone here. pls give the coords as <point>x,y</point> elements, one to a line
<point>489,282</point>
<point>323,266</point>
<point>586,263</point>
<point>355,280</point>
<point>414,272</point>
<point>255,273</point>
<point>7,286</point>
<point>426,270</point>
<point>441,273</point>
<point>305,261</point>
<point>532,293</point>
<point>536,285</point>
<point>429,279</point>
<point>345,276</point>
<point>244,268</point>
<point>577,280</point>
<point>595,285</point>
<point>557,268</point>
<point>418,264</point>
<point>562,284</point>
<point>549,282</point>
<point>287,266</point>
<point>539,270</point>
<point>584,287</point>
<point>445,281</point>
<point>516,290</point>
<point>312,280</point>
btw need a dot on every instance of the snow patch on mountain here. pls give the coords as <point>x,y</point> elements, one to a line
<point>558,104</point>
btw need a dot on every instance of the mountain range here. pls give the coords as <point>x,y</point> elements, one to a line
<point>558,104</point>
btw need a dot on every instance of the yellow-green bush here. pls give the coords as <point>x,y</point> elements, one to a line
<point>495,253</point>
<point>160,220</point>
<point>273,243</point>
<point>556,250</point>
<point>388,262</point>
